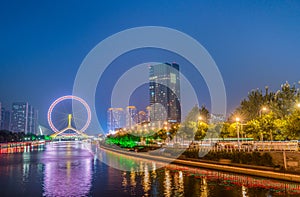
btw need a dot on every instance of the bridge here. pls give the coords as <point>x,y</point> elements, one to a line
<point>69,127</point>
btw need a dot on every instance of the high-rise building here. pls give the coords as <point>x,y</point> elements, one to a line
<point>131,113</point>
<point>148,113</point>
<point>5,119</point>
<point>164,87</point>
<point>23,118</point>
<point>115,118</point>
<point>32,125</point>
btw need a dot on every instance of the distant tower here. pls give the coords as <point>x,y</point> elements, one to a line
<point>32,120</point>
<point>164,89</point>
<point>5,119</point>
<point>148,113</point>
<point>115,118</point>
<point>19,117</point>
<point>23,118</point>
<point>130,116</point>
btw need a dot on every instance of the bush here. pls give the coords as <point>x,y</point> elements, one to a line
<point>254,158</point>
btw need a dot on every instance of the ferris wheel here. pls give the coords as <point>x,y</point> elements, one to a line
<point>62,118</point>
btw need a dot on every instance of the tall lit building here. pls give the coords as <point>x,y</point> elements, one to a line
<point>164,89</point>
<point>131,113</point>
<point>23,118</point>
<point>115,118</point>
<point>148,113</point>
<point>32,126</point>
<point>5,119</point>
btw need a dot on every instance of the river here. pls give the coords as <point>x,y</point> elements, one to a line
<point>73,169</point>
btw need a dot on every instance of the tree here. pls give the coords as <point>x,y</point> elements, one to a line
<point>293,125</point>
<point>284,100</point>
<point>204,113</point>
<point>201,131</point>
<point>188,127</point>
<point>160,135</point>
<point>253,129</point>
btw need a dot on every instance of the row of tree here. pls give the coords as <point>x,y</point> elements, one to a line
<point>262,116</point>
<point>8,136</point>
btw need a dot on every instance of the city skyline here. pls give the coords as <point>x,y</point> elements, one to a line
<point>251,50</point>
<point>150,98</point>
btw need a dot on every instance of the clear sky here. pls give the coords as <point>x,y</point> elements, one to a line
<point>42,43</point>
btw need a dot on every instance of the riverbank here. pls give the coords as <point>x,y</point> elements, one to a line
<point>265,172</point>
<point>16,147</point>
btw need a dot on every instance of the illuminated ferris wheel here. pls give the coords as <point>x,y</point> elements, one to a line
<point>63,120</point>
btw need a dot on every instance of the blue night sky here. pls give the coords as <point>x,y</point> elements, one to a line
<point>42,44</point>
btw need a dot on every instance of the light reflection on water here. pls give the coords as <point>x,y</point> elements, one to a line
<point>70,169</point>
<point>68,173</point>
<point>175,180</point>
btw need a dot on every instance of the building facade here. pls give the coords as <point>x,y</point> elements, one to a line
<point>131,113</point>
<point>24,118</point>
<point>5,119</point>
<point>164,89</point>
<point>115,119</point>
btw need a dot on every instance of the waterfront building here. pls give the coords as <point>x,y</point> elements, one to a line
<point>24,118</point>
<point>164,89</point>
<point>5,119</point>
<point>115,119</point>
<point>131,113</point>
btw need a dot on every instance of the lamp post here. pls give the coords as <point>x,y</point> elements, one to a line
<point>263,109</point>
<point>237,119</point>
<point>199,120</point>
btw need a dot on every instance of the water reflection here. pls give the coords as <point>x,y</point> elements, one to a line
<point>175,180</point>
<point>67,170</point>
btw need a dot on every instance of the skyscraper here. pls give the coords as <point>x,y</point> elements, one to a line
<point>115,118</point>
<point>131,114</point>
<point>23,118</point>
<point>5,119</point>
<point>164,89</point>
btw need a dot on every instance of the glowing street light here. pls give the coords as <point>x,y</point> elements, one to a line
<point>237,119</point>
<point>298,105</point>
<point>263,109</point>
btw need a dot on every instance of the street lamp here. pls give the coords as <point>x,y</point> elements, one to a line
<point>298,105</point>
<point>237,119</point>
<point>263,109</point>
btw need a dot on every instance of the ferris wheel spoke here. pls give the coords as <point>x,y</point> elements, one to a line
<point>61,126</point>
<point>79,119</point>
<point>58,114</point>
<point>80,111</point>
